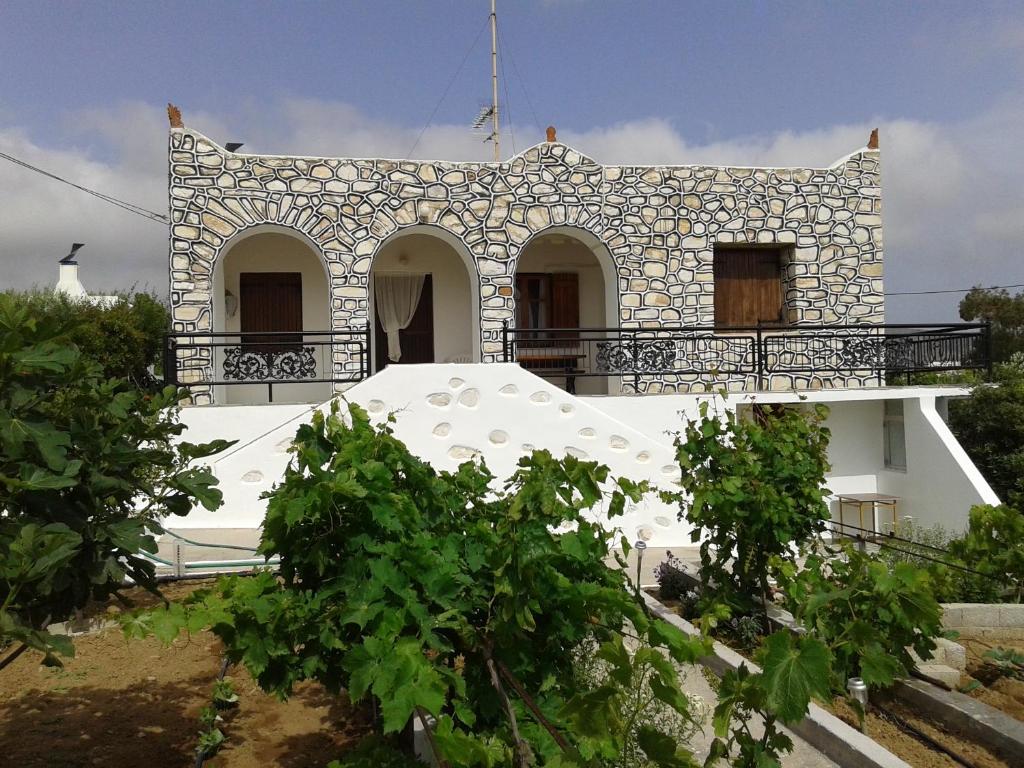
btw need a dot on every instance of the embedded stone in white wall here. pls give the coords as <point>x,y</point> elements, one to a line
<point>663,521</point>
<point>375,406</point>
<point>644,533</point>
<point>587,433</point>
<point>456,382</point>
<point>567,409</point>
<point>618,443</point>
<point>284,446</point>
<point>443,429</point>
<point>527,448</point>
<point>576,452</point>
<point>440,399</point>
<point>252,476</point>
<point>463,452</point>
<point>643,457</point>
<point>498,437</point>
<point>470,398</point>
<point>509,390</point>
<point>540,398</point>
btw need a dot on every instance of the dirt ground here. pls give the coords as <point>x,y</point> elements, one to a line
<point>1003,693</point>
<point>122,704</point>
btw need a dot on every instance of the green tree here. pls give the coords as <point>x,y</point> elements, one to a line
<point>125,338</point>
<point>1005,312</point>
<point>752,488</point>
<point>993,546</point>
<point>990,426</point>
<point>89,466</point>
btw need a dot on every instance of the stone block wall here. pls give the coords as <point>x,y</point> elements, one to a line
<point>657,224</point>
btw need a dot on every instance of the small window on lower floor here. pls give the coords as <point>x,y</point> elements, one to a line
<point>894,435</point>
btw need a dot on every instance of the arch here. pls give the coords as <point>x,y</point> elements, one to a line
<point>270,248</point>
<point>601,252</point>
<point>547,261</point>
<point>475,306</point>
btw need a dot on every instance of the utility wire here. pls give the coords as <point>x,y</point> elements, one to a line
<point>449,87</point>
<point>952,290</point>
<point>522,82</point>
<point>508,100</point>
<point>138,210</point>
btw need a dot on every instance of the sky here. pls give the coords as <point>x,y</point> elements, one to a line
<point>85,85</point>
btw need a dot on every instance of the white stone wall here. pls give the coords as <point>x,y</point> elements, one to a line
<point>658,225</point>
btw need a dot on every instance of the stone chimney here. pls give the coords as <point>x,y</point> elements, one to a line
<point>67,279</point>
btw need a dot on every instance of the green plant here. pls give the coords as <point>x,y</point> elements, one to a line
<point>89,466</point>
<point>125,338</point>
<point>673,581</point>
<point>224,695</point>
<point>375,751</point>
<point>867,612</point>
<point>752,489</point>
<point>994,547</point>
<point>447,594</point>
<point>1008,662</point>
<point>989,424</point>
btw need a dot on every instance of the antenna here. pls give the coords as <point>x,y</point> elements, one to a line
<point>494,81</point>
<point>70,258</point>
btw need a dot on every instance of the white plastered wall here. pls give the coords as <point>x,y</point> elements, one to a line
<point>456,334</point>
<point>267,250</point>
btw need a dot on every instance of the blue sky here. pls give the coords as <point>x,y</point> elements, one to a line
<point>749,83</point>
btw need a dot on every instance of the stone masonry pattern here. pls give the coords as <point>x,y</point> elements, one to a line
<point>658,223</point>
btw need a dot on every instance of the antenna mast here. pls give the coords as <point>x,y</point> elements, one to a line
<point>494,81</point>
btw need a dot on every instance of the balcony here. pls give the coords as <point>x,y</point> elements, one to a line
<point>748,358</point>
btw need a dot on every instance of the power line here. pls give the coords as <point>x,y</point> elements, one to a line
<point>138,210</point>
<point>508,100</point>
<point>953,290</point>
<point>522,82</point>
<point>449,87</point>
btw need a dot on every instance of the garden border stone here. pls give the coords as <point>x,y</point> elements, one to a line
<point>822,730</point>
<point>990,726</point>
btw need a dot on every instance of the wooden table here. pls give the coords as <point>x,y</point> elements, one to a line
<point>564,363</point>
<point>874,500</point>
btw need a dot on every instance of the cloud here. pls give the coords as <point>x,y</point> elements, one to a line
<point>954,209</point>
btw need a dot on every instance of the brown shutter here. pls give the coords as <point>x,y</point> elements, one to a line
<point>269,302</point>
<point>565,300</point>
<point>748,286</point>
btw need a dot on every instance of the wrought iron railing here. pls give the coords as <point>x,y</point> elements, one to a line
<point>759,352</point>
<point>267,358</point>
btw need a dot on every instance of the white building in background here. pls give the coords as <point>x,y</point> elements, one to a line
<point>552,302</point>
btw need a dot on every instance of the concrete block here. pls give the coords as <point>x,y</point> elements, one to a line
<point>979,615</point>
<point>952,615</point>
<point>940,673</point>
<point>952,654</point>
<point>1011,615</point>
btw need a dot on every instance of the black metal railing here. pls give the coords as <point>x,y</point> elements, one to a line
<point>759,352</point>
<point>268,358</point>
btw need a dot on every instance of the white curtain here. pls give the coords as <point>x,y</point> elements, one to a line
<point>397,297</point>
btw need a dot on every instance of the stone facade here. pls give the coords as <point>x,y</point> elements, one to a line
<point>658,225</point>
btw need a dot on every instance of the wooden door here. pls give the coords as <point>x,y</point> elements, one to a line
<point>270,302</point>
<point>417,339</point>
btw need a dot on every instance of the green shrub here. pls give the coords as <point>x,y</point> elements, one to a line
<point>993,546</point>
<point>124,338</point>
<point>89,466</point>
<point>867,612</point>
<point>753,490</point>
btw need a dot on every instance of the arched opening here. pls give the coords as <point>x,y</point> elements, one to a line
<point>271,296</point>
<point>424,289</point>
<point>565,280</point>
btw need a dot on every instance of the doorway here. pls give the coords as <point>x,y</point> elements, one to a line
<point>417,339</point>
<point>270,302</point>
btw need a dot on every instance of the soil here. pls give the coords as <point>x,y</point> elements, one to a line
<point>885,731</point>
<point>121,703</point>
<point>1004,693</point>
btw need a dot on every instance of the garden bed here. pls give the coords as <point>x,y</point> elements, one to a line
<point>1002,692</point>
<point>122,704</point>
<point>884,729</point>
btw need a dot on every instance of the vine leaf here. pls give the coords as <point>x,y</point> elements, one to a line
<point>795,670</point>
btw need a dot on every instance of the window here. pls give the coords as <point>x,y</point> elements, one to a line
<point>894,435</point>
<point>748,285</point>
<point>270,302</point>
<point>547,300</point>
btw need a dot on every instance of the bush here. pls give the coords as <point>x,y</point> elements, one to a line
<point>126,338</point>
<point>867,612</point>
<point>993,546</point>
<point>753,490</point>
<point>673,581</point>
<point>89,466</point>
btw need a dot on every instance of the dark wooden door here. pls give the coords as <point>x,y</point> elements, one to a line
<point>270,302</point>
<point>748,286</point>
<point>417,339</point>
